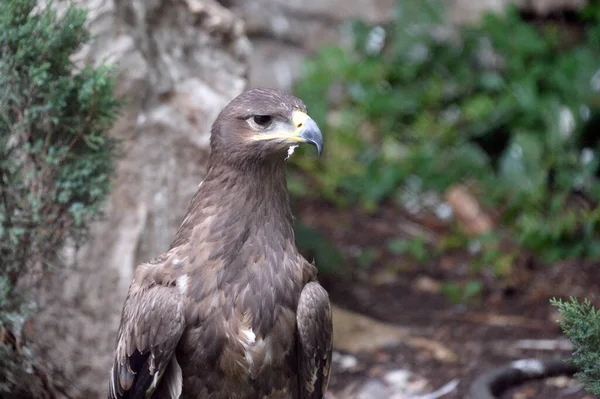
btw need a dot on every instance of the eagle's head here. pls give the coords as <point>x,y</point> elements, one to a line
<point>263,124</point>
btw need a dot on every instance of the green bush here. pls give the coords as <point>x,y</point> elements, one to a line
<point>56,159</point>
<point>509,109</point>
<point>581,323</point>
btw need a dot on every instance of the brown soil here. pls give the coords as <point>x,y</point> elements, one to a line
<point>484,333</point>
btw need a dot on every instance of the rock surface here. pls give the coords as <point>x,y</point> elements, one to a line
<point>284,33</point>
<point>178,64</point>
<point>354,333</point>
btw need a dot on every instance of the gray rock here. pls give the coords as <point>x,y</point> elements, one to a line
<point>285,32</point>
<point>178,64</point>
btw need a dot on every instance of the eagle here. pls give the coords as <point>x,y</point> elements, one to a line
<point>232,310</point>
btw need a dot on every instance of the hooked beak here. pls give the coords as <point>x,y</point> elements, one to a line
<point>307,130</point>
<point>303,129</point>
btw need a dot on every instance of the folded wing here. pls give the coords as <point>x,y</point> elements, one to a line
<point>151,326</point>
<point>315,327</point>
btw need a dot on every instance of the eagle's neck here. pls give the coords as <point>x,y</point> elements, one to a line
<point>247,202</point>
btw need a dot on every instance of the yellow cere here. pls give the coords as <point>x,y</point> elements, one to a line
<point>298,121</point>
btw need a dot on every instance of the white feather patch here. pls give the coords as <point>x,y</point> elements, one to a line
<point>175,379</point>
<point>177,261</point>
<point>182,284</point>
<point>250,336</point>
<point>290,151</point>
<point>112,387</point>
<point>154,382</point>
<point>253,346</point>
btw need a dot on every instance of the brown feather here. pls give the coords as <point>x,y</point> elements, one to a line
<point>221,312</point>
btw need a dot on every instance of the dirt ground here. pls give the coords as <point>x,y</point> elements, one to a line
<point>507,322</point>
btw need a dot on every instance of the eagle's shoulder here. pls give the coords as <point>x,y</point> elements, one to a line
<point>168,269</point>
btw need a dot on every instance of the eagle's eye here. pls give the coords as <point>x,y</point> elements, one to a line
<point>262,120</point>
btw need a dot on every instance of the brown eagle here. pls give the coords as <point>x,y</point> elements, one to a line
<point>232,310</point>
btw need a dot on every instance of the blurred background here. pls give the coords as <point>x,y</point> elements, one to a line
<point>457,195</point>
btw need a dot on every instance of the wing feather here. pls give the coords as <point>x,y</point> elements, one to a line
<point>315,328</point>
<point>151,326</point>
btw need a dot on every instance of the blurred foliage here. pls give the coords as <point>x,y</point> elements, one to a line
<point>318,249</point>
<point>509,109</point>
<point>462,293</point>
<point>581,323</point>
<point>56,161</point>
<point>415,248</point>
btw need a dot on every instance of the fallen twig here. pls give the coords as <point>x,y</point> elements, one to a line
<point>446,389</point>
<point>545,344</point>
<point>496,320</point>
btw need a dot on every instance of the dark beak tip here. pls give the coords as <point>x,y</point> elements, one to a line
<point>319,149</point>
<point>312,134</point>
